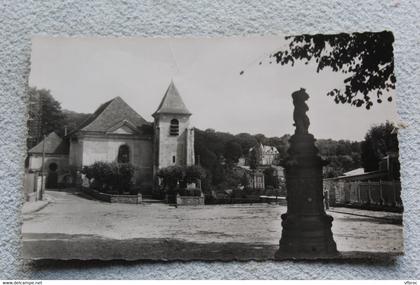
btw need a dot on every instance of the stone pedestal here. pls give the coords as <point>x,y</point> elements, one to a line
<point>306,226</point>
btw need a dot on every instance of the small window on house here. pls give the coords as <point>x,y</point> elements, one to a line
<point>124,154</point>
<point>174,127</point>
<point>173,159</point>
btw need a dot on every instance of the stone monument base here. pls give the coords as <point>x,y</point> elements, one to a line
<point>307,237</point>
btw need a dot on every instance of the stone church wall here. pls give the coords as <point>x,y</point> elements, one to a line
<point>76,153</point>
<point>173,146</point>
<point>106,149</point>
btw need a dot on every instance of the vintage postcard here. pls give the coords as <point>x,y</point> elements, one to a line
<point>252,148</point>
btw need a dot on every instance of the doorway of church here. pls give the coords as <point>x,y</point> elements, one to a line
<point>52,177</point>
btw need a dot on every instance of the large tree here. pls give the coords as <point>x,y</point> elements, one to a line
<point>366,57</point>
<point>45,115</point>
<point>72,120</point>
<point>233,151</point>
<point>254,158</point>
<point>379,142</point>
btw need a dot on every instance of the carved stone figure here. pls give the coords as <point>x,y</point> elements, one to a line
<point>299,113</point>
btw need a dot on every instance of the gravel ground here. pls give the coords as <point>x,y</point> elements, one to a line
<point>73,227</point>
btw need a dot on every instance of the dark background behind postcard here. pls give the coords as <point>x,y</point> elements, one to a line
<point>21,19</point>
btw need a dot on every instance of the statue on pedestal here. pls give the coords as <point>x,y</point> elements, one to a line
<point>306,226</point>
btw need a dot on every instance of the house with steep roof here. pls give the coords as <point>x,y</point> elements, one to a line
<point>55,151</point>
<point>265,154</point>
<point>115,132</point>
<point>260,158</point>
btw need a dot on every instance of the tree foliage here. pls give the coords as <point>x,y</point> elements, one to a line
<point>342,155</point>
<point>72,120</point>
<point>366,57</point>
<point>380,141</point>
<point>110,177</point>
<point>233,151</point>
<point>51,115</point>
<point>171,176</point>
<point>270,178</point>
<point>244,180</point>
<point>45,113</point>
<point>174,176</point>
<point>253,158</point>
<point>194,173</point>
<point>211,145</point>
<point>46,116</point>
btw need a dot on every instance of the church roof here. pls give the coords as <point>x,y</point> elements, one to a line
<point>53,145</point>
<point>172,102</point>
<point>110,114</point>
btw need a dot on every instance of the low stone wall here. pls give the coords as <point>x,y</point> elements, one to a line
<point>127,199</point>
<point>111,198</point>
<point>189,200</point>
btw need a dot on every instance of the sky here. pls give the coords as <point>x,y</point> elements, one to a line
<point>83,73</point>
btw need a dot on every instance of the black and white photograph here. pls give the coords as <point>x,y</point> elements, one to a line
<point>234,148</point>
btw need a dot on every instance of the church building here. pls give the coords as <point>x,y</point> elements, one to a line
<point>117,133</point>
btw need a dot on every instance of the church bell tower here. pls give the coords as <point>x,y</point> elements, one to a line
<point>174,138</point>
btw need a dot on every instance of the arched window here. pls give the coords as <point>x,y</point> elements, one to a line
<point>174,127</point>
<point>53,166</point>
<point>124,154</point>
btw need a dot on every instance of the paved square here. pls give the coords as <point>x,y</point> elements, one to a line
<point>74,227</point>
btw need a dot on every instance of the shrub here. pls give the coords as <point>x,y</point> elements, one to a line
<point>175,179</point>
<point>270,177</point>
<point>194,173</point>
<point>238,193</point>
<point>171,175</point>
<point>125,173</point>
<point>110,176</point>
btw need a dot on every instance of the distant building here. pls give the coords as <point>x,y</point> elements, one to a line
<point>265,157</point>
<point>117,133</point>
<point>264,154</point>
<point>380,189</point>
<point>357,171</point>
<point>56,152</point>
<point>386,172</point>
